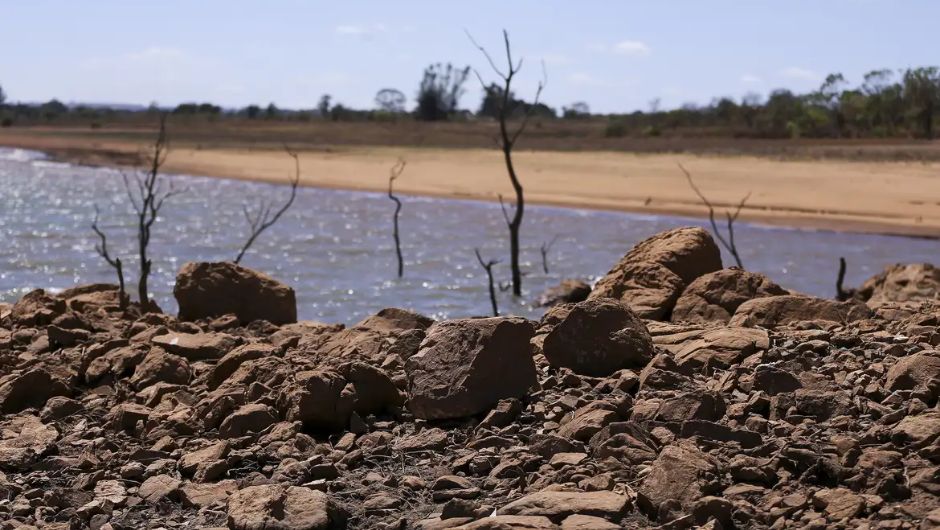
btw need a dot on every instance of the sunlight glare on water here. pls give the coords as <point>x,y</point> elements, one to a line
<point>335,247</point>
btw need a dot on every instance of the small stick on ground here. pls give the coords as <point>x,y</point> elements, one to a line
<point>729,243</point>
<point>262,219</point>
<point>102,250</point>
<point>394,174</point>
<point>488,267</point>
<point>544,249</point>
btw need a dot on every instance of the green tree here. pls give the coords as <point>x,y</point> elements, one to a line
<point>921,93</point>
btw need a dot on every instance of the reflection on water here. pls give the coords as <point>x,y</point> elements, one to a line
<point>335,247</point>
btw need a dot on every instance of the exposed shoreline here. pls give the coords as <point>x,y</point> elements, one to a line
<point>892,198</point>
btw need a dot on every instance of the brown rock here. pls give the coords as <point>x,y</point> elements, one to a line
<point>569,291</point>
<point>251,418</point>
<point>36,308</point>
<point>29,389</point>
<point>587,522</point>
<point>597,337</point>
<point>902,283</point>
<point>914,371</point>
<point>233,359</point>
<point>773,311</point>
<point>714,297</point>
<point>159,366</point>
<point>839,503</point>
<point>653,274</point>
<point>197,346</point>
<point>464,367</point>
<point>199,495</point>
<point>159,487</point>
<point>25,439</point>
<point>557,505</point>
<point>316,398</point>
<point>209,290</point>
<point>721,347</point>
<point>275,507</point>
<point>586,422</point>
<point>510,522</point>
<point>680,473</point>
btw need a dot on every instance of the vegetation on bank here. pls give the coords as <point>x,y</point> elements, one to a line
<point>886,104</point>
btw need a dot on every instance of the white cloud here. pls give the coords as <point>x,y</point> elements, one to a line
<point>363,31</point>
<point>631,47</point>
<point>751,79</point>
<point>801,74</point>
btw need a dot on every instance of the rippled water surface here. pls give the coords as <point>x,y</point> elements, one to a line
<point>335,247</point>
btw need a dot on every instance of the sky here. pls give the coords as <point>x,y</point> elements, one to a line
<point>617,56</point>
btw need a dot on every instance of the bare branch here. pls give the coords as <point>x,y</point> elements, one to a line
<point>264,220</point>
<point>544,249</point>
<point>488,58</point>
<point>729,243</point>
<point>488,267</point>
<point>394,173</point>
<point>115,263</point>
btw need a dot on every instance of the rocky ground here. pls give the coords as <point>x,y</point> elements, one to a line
<point>678,394</point>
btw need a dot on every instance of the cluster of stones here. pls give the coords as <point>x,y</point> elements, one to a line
<point>679,394</point>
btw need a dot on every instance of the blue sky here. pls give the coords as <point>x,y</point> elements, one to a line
<point>617,56</point>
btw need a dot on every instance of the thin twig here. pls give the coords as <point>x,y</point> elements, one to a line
<point>394,173</point>
<point>263,219</point>
<point>729,243</point>
<point>488,267</point>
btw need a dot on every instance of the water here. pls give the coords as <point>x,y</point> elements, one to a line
<point>335,247</point>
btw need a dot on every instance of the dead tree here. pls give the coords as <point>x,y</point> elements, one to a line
<point>728,243</point>
<point>544,249</point>
<point>102,250</point>
<point>507,140</point>
<point>394,174</point>
<point>488,267</point>
<point>147,198</point>
<point>842,294</point>
<point>263,219</point>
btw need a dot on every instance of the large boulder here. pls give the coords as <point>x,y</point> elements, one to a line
<point>275,507</point>
<point>902,283</point>
<point>597,337</point>
<point>209,290</point>
<point>653,274</point>
<point>715,296</point>
<point>772,311</point>
<point>466,366</point>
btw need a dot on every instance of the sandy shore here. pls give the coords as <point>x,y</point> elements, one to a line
<point>884,197</point>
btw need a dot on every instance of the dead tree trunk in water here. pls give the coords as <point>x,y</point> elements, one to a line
<point>729,243</point>
<point>544,249</point>
<point>147,203</point>
<point>488,267</point>
<point>394,174</point>
<point>841,293</point>
<point>507,140</point>
<point>262,220</point>
<point>102,250</point>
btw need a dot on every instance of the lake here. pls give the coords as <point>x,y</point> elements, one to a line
<point>335,248</point>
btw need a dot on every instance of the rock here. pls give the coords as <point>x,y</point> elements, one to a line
<point>587,522</point>
<point>772,380</point>
<point>25,439</point>
<point>316,398</point>
<point>161,367</point>
<point>721,348</point>
<point>920,430</point>
<point>251,418</point>
<point>902,283</point>
<point>654,273</point>
<point>36,308</point>
<point>29,390</point>
<point>275,507</point>
<point>197,346</point>
<point>773,311</point>
<point>464,367</point>
<point>233,359</point>
<point>914,371</point>
<point>159,487</point>
<point>200,495</point>
<point>510,522</point>
<point>586,422</point>
<point>597,337</point>
<point>209,290</point>
<point>714,297</point>
<point>722,433</point>
<point>681,473</point>
<point>567,292</point>
<point>557,505</point>
<point>839,504</point>
<point>373,391</point>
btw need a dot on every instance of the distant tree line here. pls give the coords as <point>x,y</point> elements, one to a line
<point>887,103</point>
